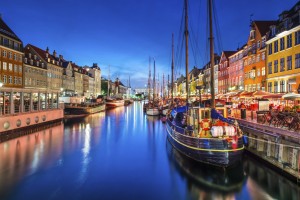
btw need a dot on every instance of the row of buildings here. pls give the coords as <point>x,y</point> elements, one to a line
<point>269,61</point>
<point>32,67</point>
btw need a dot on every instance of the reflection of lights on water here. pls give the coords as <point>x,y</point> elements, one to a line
<point>86,150</point>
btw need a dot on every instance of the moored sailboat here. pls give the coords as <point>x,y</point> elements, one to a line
<point>205,134</point>
<point>152,108</point>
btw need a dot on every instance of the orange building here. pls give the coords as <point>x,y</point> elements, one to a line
<point>11,58</point>
<point>255,56</point>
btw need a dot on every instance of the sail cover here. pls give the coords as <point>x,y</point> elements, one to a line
<point>216,115</point>
<point>179,109</point>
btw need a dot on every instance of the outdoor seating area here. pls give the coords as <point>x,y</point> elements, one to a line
<point>280,119</point>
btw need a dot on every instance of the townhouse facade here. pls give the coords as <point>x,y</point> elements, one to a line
<point>255,56</point>
<point>236,71</point>
<point>11,57</point>
<point>223,77</point>
<point>283,53</point>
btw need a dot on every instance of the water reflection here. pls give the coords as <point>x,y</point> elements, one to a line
<point>122,154</point>
<point>26,155</point>
<point>265,183</point>
<point>204,182</point>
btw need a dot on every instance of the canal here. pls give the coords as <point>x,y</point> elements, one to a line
<point>123,154</point>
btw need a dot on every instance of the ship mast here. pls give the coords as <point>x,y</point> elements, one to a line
<point>172,66</point>
<point>186,33</point>
<point>212,59</point>
<point>154,86</point>
<point>149,79</point>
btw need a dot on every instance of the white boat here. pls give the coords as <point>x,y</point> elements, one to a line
<point>114,102</point>
<point>152,111</point>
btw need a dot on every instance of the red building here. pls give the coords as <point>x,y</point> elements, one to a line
<point>223,77</point>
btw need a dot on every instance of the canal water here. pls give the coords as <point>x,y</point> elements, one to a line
<point>124,154</point>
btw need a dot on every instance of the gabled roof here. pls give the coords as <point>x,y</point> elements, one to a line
<point>195,72</point>
<point>264,26</point>
<point>41,53</point>
<point>228,53</point>
<point>5,30</point>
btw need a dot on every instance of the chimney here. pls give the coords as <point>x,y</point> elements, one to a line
<point>47,52</point>
<point>61,57</point>
<point>54,54</point>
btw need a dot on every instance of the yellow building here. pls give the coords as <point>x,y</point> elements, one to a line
<point>283,53</point>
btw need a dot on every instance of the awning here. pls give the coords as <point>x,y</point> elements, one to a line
<point>292,81</point>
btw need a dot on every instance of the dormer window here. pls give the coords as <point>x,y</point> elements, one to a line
<point>285,24</point>
<point>252,34</point>
<point>37,63</point>
<point>42,65</point>
<point>34,57</point>
<point>273,30</point>
<point>31,62</point>
<point>25,60</point>
<point>29,55</point>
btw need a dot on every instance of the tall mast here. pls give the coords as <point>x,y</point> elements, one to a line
<point>149,79</point>
<point>172,78</point>
<point>186,33</point>
<point>163,86</point>
<point>212,58</point>
<point>154,85</point>
<point>108,82</point>
<point>168,85</point>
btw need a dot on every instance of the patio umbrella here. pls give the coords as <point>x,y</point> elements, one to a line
<point>291,96</point>
<point>273,96</point>
<point>260,94</point>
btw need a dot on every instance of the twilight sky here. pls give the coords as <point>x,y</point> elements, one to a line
<point>123,34</point>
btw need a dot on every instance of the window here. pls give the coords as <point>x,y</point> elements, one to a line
<point>289,41</point>
<point>297,37</point>
<point>276,46</point>
<point>258,72</point>
<point>258,58</point>
<point>25,60</point>
<point>273,30</point>
<point>270,87</point>
<point>270,68</point>
<point>20,80</point>
<point>258,86</point>
<point>270,49</point>
<point>15,80</point>
<point>275,87</point>
<point>10,55</point>
<point>297,60</point>
<point>281,44</point>
<point>263,56</point>
<point>275,66</point>
<point>15,56</point>
<point>258,44</point>
<point>15,68</point>
<point>20,68</point>
<point>4,53</point>
<point>282,88</point>
<point>263,42</point>
<point>4,66</point>
<point>20,58</point>
<point>10,79</point>
<point>289,62</point>
<point>4,79</point>
<point>10,67</point>
<point>282,61</point>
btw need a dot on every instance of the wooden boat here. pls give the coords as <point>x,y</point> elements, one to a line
<point>114,102</point>
<point>152,108</point>
<point>71,110</point>
<point>204,134</point>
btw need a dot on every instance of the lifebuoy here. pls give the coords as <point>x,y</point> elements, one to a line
<point>205,124</point>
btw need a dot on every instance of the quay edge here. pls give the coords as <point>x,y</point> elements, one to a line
<point>278,147</point>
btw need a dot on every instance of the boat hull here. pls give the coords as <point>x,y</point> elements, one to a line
<point>84,110</point>
<point>152,111</point>
<point>213,151</point>
<point>115,103</point>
